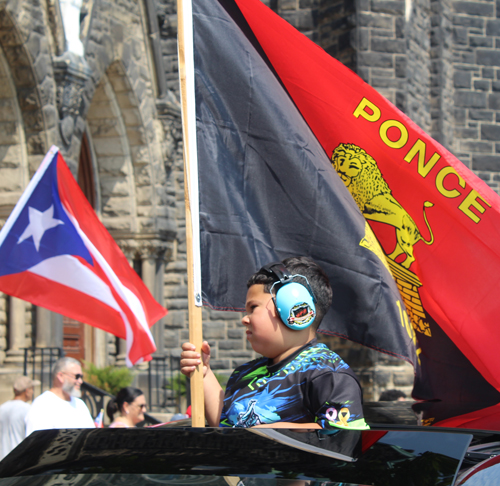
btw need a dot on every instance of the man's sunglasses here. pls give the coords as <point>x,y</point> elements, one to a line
<point>76,377</point>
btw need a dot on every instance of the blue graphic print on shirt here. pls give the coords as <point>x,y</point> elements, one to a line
<point>313,385</point>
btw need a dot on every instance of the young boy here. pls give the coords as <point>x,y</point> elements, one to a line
<point>298,382</point>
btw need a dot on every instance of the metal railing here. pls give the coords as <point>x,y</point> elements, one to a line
<point>168,389</point>
<point>94,398</point>
<point>38,364</point>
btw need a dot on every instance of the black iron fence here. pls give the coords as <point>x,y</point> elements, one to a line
<point>38,364</point>
<point>168,389</point>
<point>95,398</point>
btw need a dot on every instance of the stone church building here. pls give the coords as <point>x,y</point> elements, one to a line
<point>98,78</point>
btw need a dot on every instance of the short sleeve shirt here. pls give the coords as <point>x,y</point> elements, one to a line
<point>12,429</point>
<point>51,412</point>
<point>312,385</point>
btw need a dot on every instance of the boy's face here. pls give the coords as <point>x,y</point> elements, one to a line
<point>265,331</point>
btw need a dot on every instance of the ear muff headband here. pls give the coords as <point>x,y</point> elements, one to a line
<point>294,301</point>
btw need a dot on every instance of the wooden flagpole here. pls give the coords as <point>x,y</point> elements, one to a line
<point>194,311</point>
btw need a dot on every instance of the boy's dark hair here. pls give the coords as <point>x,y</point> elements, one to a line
<point>315,275</point>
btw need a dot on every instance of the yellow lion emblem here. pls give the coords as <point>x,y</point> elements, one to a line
<point>363,179</point>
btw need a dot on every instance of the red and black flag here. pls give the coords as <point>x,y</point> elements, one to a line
<point>268,190</point>
<point>278,121</point>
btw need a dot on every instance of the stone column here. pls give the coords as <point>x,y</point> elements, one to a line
<point>149,279</point>
<point>129,250</point>
<point>122,352</point>
<point>43,328</point>
<point>152,276</point>
<point>49,329</point>
<point>56,326</point>
<point>17,331</point>
<point>100,347</point>
<point>152,254</point>
<point>148,267</point>
<point>159,328</point>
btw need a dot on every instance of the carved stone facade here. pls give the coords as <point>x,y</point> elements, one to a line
<point>102,97</point>
<point>115,114</point>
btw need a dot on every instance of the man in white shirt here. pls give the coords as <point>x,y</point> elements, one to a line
<point>60,407</point>
<point>13,413</point>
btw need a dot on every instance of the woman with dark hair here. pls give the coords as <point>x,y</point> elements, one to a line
<point>131,405</point>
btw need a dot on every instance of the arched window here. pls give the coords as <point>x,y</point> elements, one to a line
<point>85,172</point>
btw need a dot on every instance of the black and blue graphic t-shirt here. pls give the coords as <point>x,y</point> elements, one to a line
<point>312,385</point>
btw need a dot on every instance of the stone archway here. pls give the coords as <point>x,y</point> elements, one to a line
<point>27,109</point>
<point>13,148</point>
<point>114,177</point>
<point>13,179</point>
<point>114,160</point>
<point>146,247</point>
<point>34,89</point>
<point>125,151</point>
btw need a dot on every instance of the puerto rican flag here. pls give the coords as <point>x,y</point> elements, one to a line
<point>55,253</point>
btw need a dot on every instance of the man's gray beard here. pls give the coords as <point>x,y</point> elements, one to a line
<point>70,389</point>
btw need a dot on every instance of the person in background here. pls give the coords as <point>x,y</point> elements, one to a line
<point>13,413</point>
<point>130,403</point>
<point>60,407</point>
<point>392,396</point>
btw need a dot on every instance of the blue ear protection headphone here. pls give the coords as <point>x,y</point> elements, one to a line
<point>294,301</point>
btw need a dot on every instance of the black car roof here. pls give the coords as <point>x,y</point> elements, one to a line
<point>360,457</point>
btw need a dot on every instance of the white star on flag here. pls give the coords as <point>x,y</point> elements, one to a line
<point>39,224</point>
